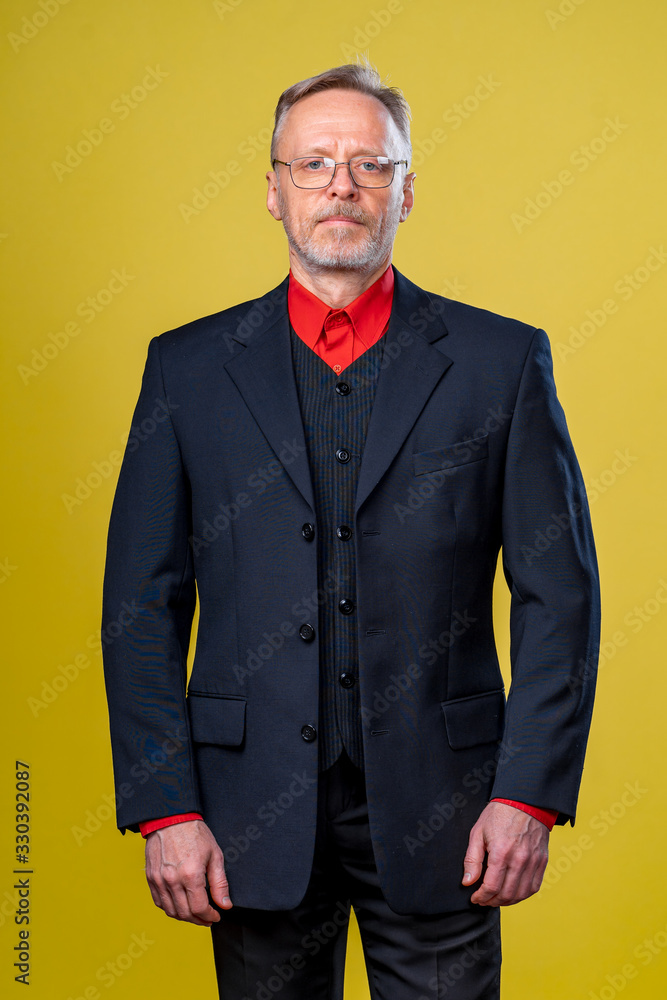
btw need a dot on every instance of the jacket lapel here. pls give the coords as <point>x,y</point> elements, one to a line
<point>411,369</point>
<point>263,374</point>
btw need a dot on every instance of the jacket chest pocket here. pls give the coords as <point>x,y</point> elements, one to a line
<point>451,456</point>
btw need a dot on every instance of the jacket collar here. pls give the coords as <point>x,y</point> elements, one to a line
<point>411,368</point>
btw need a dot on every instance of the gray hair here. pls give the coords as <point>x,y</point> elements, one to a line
<point>363,78</point>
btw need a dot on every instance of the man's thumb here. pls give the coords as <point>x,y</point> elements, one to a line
<point>217,880</point>
<point>474,858</point>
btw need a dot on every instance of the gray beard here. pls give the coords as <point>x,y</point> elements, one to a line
<point>345,251</point>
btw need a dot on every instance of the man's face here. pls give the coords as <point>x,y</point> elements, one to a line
<point>342,227</point>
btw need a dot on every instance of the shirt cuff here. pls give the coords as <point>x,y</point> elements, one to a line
<point>546,816</point>
<point>158,824</point>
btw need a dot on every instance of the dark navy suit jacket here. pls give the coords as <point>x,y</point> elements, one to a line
<point>467,455</point>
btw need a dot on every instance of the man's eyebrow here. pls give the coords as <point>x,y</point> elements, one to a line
<point>325,151</point>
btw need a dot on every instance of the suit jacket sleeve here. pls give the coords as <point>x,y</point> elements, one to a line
<point>550,566</point>
<point>148,606</point>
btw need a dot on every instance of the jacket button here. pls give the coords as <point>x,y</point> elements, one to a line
<point>343,455</point>
<point>308,733</point>
<point>344,532</point>
<point>342,388</point>
<point>308,531</point>
<point>346,680</point>
<point>307,633</point>
<point>346,607</point>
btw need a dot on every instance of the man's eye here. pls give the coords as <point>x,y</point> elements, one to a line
<point>369,166</point>
<point>314,164</point>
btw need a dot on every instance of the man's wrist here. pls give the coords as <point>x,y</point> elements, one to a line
<point>546,816</point>
<point>151,825</point>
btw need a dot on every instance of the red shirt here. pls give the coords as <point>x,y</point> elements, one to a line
<point>339,337</point>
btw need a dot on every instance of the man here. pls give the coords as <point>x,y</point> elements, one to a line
<point>335,467</point>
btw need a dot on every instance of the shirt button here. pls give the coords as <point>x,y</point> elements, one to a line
<point>346,680</point>
<point>308,733</point>
<point>308,531</point>
<point>342,388</point>
<point>344,532</point>
<point>307,633</point>
<point>343,456</point>
<point>346,607</point>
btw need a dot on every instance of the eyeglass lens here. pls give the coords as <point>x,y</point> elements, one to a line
<point>367,171</point>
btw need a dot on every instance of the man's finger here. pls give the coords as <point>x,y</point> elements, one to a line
<point>197,909</point>
<point>217,880</point>
<point>493,885</point>
<point>474,858</point>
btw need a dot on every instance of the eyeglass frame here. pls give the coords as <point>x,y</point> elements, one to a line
<point>340,163</point>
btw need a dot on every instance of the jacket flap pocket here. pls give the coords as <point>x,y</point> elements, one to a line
<point>451,455</point>
<point>217,718</point>
<point>473,720</point>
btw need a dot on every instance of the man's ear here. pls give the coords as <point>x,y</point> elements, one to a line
<point>408,195</point>
<point>272,202</point>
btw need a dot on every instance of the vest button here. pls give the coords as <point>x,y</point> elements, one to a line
<point>343,456</point>
<point>308,531</point>
<point>346,680</point>
<point>308,733</point>
<point>346,607</point>
<point>307,633</point>
<point>344,532</point>
<point>342,388</point>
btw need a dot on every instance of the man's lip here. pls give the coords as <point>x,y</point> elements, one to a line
<point>341,218</point>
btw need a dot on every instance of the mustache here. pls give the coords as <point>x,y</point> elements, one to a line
<point>344,210</point>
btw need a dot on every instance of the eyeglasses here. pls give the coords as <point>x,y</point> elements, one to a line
<point>313,172</point>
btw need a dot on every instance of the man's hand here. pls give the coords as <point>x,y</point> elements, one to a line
<point>517,846</point>
<point>178,858</point>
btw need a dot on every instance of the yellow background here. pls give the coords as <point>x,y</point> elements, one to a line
<point>552,79</point>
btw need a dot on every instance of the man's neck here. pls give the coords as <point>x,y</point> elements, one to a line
<point>336,288</point>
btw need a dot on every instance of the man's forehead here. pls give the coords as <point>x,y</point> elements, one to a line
<point>338,111</point>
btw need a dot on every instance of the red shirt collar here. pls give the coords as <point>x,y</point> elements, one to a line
<point>369,312</point>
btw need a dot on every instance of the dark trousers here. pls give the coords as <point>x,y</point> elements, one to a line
<point>299,954</point>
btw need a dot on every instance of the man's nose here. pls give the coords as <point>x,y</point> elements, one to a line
<point>342,185</point>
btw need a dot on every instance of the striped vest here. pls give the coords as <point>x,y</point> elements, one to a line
<point>335,410</point>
